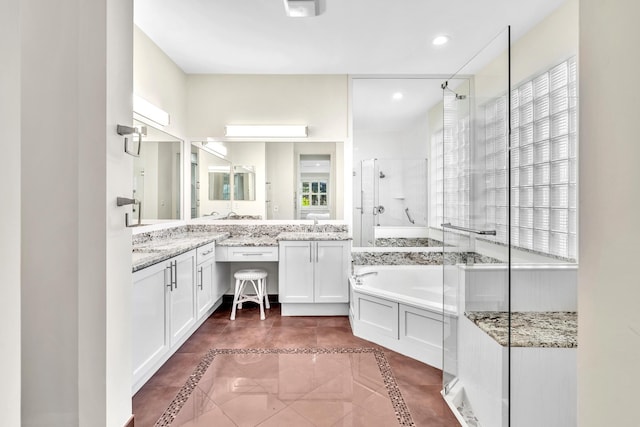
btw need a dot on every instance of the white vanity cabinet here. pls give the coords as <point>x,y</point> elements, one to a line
<point>164,312</point>
<point>212,280</point>
<point>313,277</point>
<point>150,306</point>
<point>182,296</point>
<point>205,256</point>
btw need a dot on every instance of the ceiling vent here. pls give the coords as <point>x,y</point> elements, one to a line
<point>302,8</point>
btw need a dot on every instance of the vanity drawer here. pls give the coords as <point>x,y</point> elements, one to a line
<point>205,252</point>
<point>247,254</point>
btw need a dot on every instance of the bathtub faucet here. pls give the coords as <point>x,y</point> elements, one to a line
<point>359,276</point>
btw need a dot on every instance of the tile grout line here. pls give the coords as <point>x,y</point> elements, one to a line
<point>397,401</point>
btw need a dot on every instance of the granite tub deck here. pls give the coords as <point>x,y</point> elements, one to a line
<point>419,258</point>
<point>153,247</point>
<point>407,242</point>
<point>550,329</point>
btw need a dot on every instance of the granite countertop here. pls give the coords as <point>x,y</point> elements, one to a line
<point>311,235</point>
<point>155,247</point>
<point>157,250</point>
<point>556,329</point>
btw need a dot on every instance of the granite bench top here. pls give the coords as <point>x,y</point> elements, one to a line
<point>553,329</point>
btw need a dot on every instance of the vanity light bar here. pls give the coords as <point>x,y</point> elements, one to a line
<point>266,131</point>
<point>146,109</point>
<point>217,148</point>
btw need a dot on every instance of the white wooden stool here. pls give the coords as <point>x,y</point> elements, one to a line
<point>258,279</point>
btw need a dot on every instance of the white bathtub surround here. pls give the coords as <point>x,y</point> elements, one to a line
<point>400,307</point>
<point>534,287</point>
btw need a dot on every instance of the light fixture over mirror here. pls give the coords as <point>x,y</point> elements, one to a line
<point>265,131</point>
<point>149,111</point>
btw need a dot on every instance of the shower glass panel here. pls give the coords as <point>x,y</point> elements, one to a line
<point>472,172</point>
<point>368,200</point>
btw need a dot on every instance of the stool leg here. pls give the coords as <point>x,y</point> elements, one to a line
<point>236,295</point>
<point>266,294</point>
<point>257,287</point>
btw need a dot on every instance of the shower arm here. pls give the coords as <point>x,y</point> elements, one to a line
<point>411,220</point>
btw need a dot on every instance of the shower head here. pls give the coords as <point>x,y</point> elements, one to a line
<point>445,86</point>
<point>382,175</point>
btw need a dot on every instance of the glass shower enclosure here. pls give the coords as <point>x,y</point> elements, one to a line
<point>471,162</point>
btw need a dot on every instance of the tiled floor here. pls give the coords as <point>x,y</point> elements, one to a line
<point>240,389</point>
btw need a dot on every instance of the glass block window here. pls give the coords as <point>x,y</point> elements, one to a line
<point>543,163</point>
<point>437,179</point>
<point>450,151</point>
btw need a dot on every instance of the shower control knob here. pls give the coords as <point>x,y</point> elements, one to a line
<point>378,210</point>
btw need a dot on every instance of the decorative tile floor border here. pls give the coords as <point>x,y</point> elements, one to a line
<point>397,401</point>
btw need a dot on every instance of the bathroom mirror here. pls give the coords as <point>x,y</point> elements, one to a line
<point>263,180</point>
<point>220,183</point>
<point>244,183</point>
<point>156,176</point>
<point>394,120</point>
<point>210,182</point>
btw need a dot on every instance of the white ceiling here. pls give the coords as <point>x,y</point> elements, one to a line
<point>368,38</point>
<point>350,37</point>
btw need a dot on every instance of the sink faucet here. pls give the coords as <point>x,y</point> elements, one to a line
<point>231,214</point>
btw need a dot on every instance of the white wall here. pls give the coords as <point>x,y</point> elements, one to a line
<point>609,291</point>
<point>10,213</point>
<point>76,81</point>
<point>319,101</point>
<point>160,81</point>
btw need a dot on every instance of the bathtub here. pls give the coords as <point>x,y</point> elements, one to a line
<point>401,308</point>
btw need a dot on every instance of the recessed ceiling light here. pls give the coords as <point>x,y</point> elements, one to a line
<point>440,40</point>
<point>397,96</point>
<point>301,8</point>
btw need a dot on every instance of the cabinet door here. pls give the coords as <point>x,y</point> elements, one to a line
<point>182,296</point>
<point>150,340</point>
<point>332,271</point>
<point>204,287</point>
<point>295,272</point>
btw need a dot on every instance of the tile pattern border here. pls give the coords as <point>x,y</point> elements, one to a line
<point>399,406</point>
